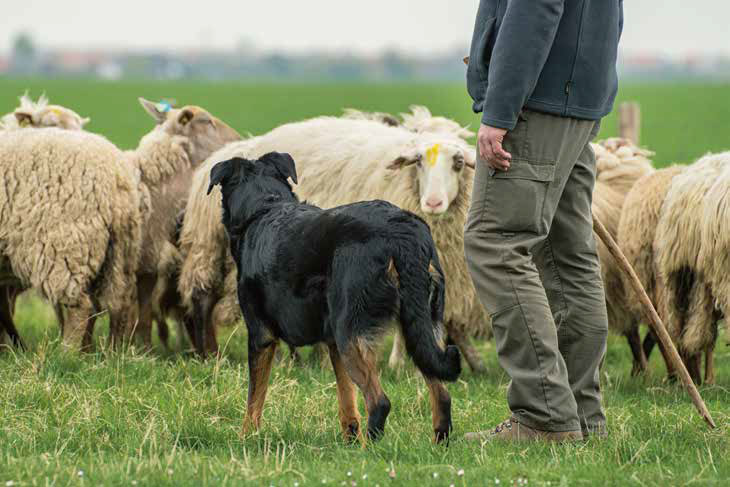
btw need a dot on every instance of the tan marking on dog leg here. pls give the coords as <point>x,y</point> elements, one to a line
<point>346,397</point>
<point>440,409</point>
<point>360,360</point>
<point>259,371</point>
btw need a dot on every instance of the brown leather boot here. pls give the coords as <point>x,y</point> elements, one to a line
<point>514,431</point>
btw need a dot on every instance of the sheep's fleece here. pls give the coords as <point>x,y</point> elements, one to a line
<point>69,216</point>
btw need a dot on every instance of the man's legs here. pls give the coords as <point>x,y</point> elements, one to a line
<point>571,274</point>
<point>509,220</point>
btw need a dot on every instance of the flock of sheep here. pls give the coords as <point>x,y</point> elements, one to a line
<point>133,233</point>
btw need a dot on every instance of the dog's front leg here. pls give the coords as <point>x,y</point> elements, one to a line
<point>260,359</point>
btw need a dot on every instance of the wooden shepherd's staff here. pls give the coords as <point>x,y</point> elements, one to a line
<point>654,321</point>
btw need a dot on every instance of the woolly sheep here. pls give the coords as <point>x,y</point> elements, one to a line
<point>688,298</point>
<point>636,235</point>
<point>714,261</point>
<point>619,164</point>
<point>418,120</point>
<point>41,114</point>
<point>182,139</point>
<point>160,259</point>
<point>70,224</point>
<point>341,161</point>
<point>31,114</point>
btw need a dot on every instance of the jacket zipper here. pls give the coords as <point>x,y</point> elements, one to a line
<point>575,58</point>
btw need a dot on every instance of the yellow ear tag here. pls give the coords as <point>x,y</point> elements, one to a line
<point>432,155</point>
<point>56,111</point>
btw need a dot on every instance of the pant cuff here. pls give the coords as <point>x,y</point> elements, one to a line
<point>550,427</point>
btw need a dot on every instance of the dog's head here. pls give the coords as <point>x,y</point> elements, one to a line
<point>247,186</point>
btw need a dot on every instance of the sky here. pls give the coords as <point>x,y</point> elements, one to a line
<point>669,27</point>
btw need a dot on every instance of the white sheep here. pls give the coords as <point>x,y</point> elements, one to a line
<point>31,114</point>
<point>341,161</point>
<point>636,236</point>
<point>41,114</point>
<point>160,261</point>
<point>70,224</point>
<point>418,120</point>
<point>689,301</point>
<point>75,207</point>
<point>619,164</point>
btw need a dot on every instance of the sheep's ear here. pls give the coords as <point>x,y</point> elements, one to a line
<point>470,158</point>
<point>283,163</point>
<point>24,119</point>
<point>84,121</point>
<point>406,160</point>
<point>185,116</point>
<point>153,110</point>
<point>221,173</point>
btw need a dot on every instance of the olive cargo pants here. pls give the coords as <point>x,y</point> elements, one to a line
<point>532,255</point>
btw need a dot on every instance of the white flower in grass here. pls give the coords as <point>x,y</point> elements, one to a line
<point>80,473</point>
<point>460,473</point>
<point>134,482</point>
<point>496,481</point>
<point>349,474</point>
<point>9,483</point>
<point>296,484</point>
<point>364,476</point>
<point>435,475</point>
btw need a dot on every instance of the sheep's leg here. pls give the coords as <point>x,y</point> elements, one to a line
<point>77,319</point>
<point>710,364</point>
<point>60,318</point>
<point>143,328</point>
<point>211,340</point>
<point>397,354</point>
<point>359,360</point>
<point>294,354</point>
<point>471,355</point>
<point>346,397</point>
<point>201,322</point>
<point>671,373</point>
<point>318,357</point>
<point>260,360</point>
<point>648,345</point>
<point>440,410</point>
<point>163,331</point>
<point>7,305</point>
<point>640,365</point>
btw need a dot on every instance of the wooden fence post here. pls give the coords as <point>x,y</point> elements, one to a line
<point>629,121</point>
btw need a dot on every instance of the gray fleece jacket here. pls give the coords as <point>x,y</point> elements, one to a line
<point>552,56</point>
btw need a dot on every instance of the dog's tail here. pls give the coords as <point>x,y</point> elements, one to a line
<point>420,280</point>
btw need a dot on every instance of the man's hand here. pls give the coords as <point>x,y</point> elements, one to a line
<point>490,147</point>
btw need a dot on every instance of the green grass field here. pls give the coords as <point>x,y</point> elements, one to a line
<point>161,418</point>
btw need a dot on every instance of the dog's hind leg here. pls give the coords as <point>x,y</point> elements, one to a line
<point>359,360</point>
<point>260,360</point>
<point>440,409</point>
<point>346,396</point>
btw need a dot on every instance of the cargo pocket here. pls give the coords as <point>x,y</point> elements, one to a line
<point>516,198</point>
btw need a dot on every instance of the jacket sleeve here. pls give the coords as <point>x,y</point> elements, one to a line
<point>521,49</point>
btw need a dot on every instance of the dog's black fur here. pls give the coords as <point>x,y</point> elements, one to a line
<point>338,276</point>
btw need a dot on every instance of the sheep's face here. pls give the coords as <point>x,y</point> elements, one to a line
<point>51,116</point>
<point>438,168</point>
<point>204,132</point>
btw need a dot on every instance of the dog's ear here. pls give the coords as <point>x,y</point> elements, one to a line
<point>222,172</point>
<point>283,163</point>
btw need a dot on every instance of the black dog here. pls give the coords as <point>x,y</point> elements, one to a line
<point>339,276</point>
